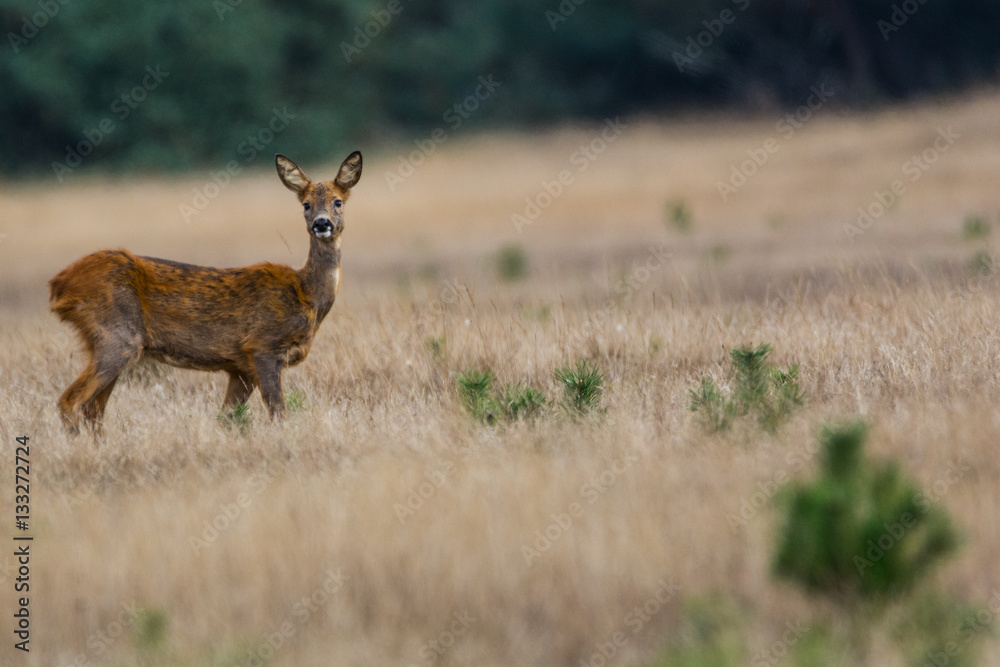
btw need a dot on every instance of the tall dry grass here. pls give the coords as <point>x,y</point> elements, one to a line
<point>404,520</point>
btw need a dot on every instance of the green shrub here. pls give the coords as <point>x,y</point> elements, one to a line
<point>150,630</point>
<point>981,263</point>
<point>428,272</point>
<point>860,530</point>
<point>763,390</point>
<point>236,419</point>
<point>512,263</point>
<point>715,411</point>
<point>520,401</point>
<point>583,386</point>
<point>975,227</point>
<point>437,346</point>
<point>679,216</point>
<point>655,344</point>
<point>475,388</point>
<point>511,403</point>
<point>295,400</point>
<point>538,313</point>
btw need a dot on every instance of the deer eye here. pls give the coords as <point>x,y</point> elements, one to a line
<point>307,206</point>
<point>337,203</point>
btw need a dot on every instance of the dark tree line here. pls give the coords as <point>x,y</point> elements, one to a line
<point>76,88</point>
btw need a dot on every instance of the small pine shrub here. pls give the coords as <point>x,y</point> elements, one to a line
<point>512,263</point>
<point>583,386</point>
<point>475,388</point>
<point>751,370</point>
<point>511,403</point>
<point>437,346</point>
<point>582,389</point>
<point>538,314</point>
<point>759,388</point>
<point>295,400</point>
<point>718,254</point>
<point>428,272</point>
<point>975,227</point>
<point>981,263</point>
<point>679,216</point>
<point>786,397</point>
<point>715,411</point>
<point>859,531</point>
<point>150,630</point>
<point>237,419</point>
<point>521,402</point>
<point>655,345</point>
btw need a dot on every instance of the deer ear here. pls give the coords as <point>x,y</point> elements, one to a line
<point>350,171</point>
<point>294,178</point>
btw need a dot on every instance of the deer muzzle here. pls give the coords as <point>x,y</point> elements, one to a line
<point>322,228</point>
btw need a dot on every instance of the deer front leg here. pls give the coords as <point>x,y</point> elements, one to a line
<point>269,369</point>
<point>239,389</point>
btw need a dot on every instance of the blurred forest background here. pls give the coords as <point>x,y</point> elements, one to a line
<point>355,72</point>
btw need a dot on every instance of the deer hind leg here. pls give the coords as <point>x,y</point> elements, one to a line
<point>240,387</point>
<point>268,369</point>
<point>89,393</point>
<point>72,398</point>
<point>93,410</point>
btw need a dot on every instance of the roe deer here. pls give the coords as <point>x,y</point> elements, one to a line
<point>251,322</point>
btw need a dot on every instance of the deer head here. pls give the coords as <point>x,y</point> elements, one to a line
<point>323,202</point>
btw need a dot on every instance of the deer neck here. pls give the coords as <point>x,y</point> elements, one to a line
<point>321,274</point>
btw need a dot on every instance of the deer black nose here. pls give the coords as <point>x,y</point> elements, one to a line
<point>322,226</point>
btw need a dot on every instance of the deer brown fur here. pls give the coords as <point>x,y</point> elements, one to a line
<point>250,322</point>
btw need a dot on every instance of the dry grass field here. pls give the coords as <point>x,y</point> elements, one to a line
<point>380,524</point>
